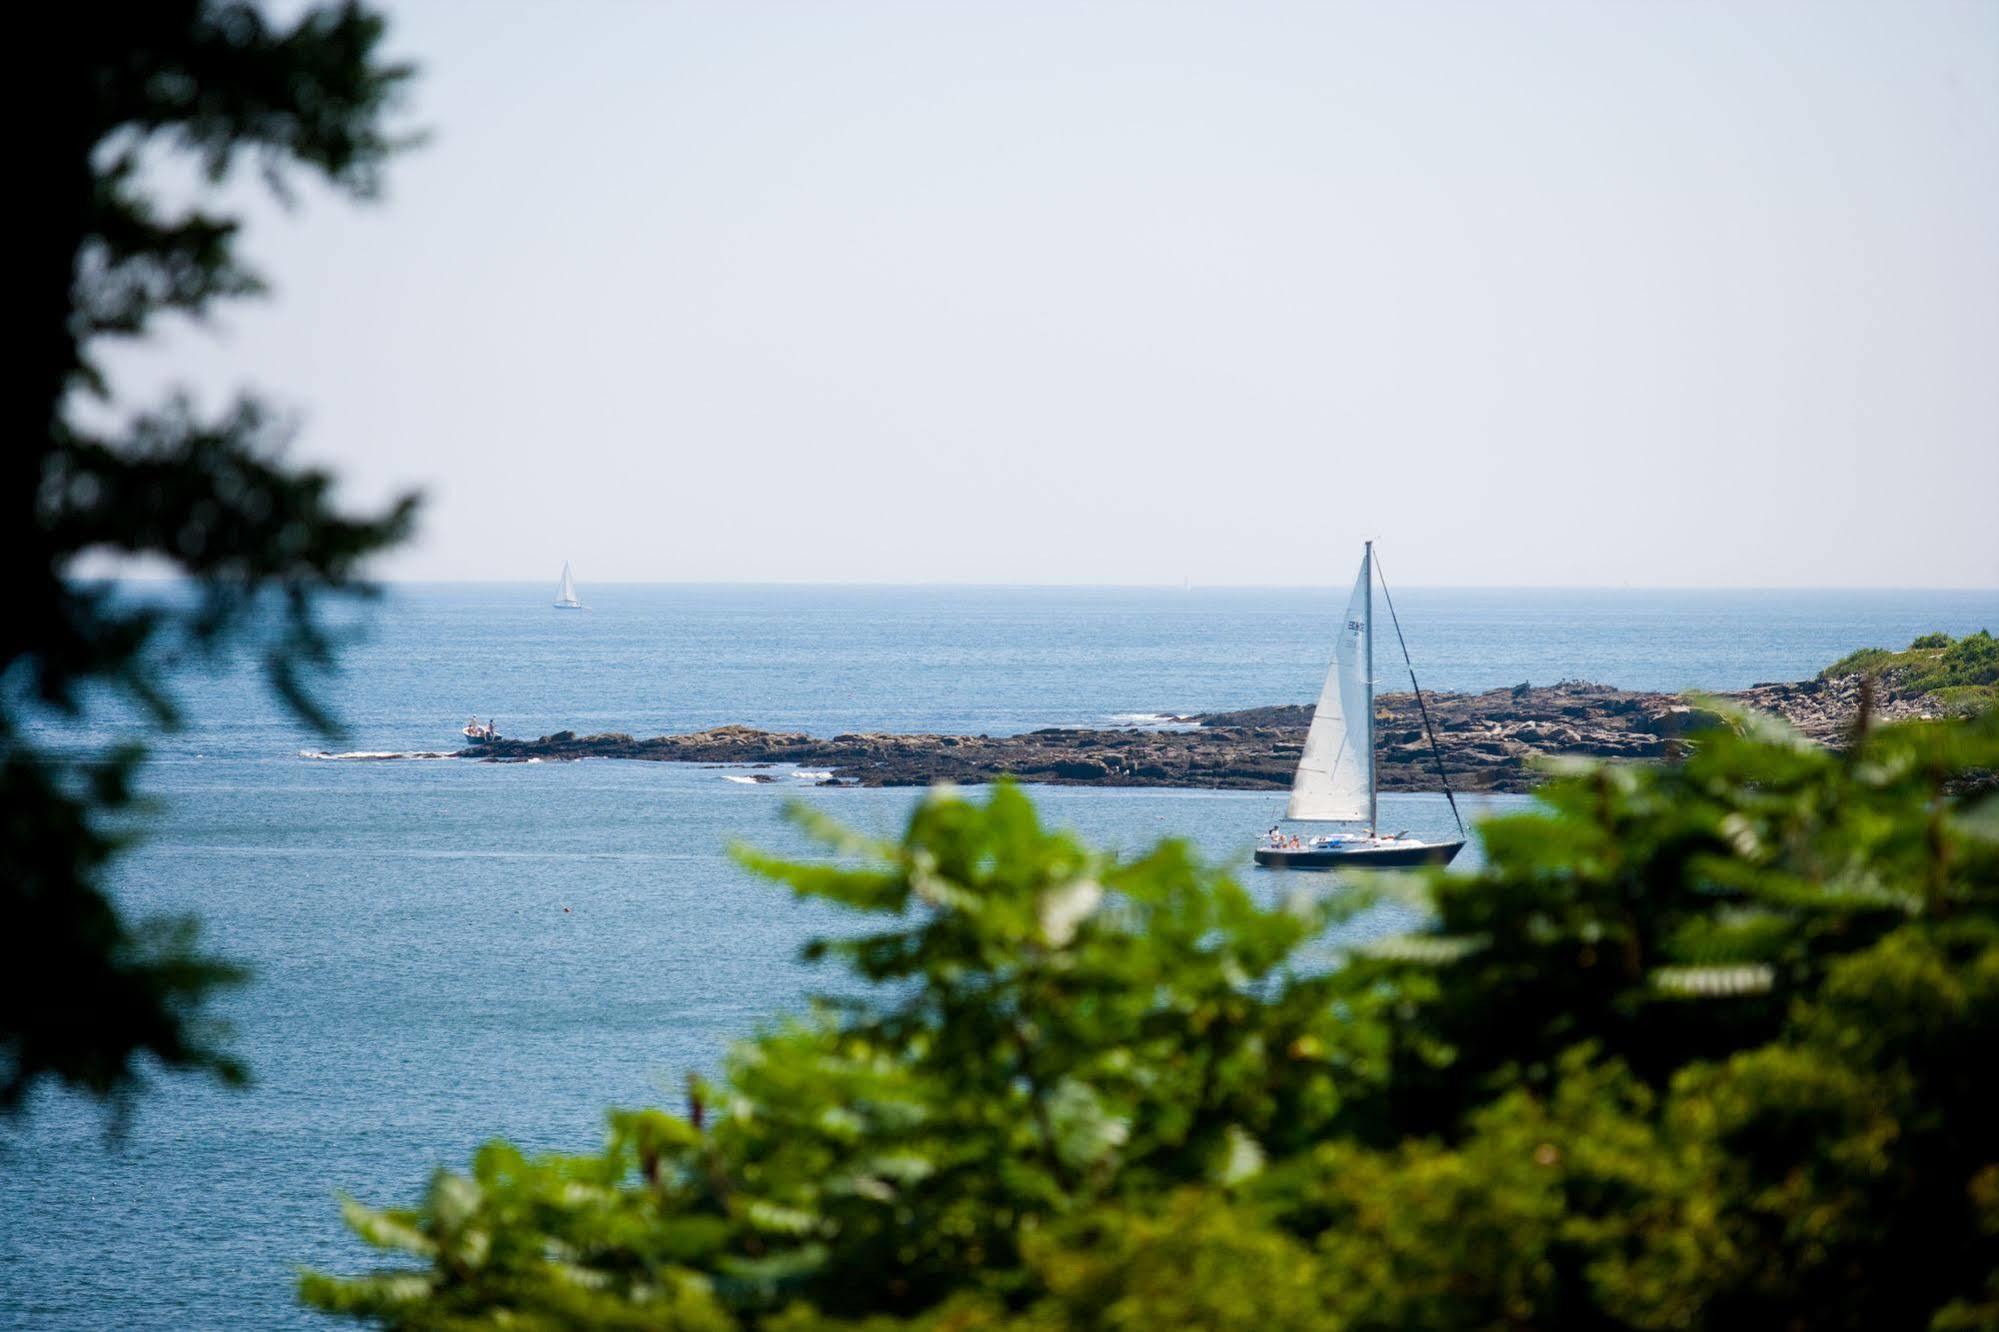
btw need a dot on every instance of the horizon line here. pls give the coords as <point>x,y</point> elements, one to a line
<point>974,585</point>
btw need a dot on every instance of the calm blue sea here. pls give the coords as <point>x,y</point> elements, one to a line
<point>419,985</point>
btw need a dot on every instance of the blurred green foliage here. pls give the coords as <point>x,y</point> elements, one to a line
<point>1961,673</point>
<point>1702,1045</point>
<point>88,996</point>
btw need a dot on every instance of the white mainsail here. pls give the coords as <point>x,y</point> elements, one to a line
<point>566,596</point>
<point>1335,780</point>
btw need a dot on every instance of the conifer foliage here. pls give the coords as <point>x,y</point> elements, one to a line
<point>88,996</point>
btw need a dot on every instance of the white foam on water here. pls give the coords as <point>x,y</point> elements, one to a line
<point>812,776</point>
<point>371,755</point>
<point>1150,721</point>
<point>750,781</point>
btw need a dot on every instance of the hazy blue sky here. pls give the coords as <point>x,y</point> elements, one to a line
<point>1129,293</point>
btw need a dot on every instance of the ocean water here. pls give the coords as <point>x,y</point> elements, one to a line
<point>446,952</point>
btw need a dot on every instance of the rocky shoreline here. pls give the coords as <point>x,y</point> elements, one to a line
<point>1489,741</point>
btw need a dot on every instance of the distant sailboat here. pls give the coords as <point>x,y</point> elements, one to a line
<point>1336,782</point>
<point>565,596</point>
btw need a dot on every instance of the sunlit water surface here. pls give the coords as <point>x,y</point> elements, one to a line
<point>446,952</point>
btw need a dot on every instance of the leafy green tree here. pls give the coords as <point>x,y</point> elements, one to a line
<point>1702,1045</point>
<point>87,993</point>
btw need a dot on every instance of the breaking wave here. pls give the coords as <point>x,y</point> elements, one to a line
<point>1150,721</point>
<point>372,755</point>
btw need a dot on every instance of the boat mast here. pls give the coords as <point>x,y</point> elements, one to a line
<point>1367,581</point>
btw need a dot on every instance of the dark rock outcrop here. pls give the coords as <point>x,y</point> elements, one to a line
<point>1488,741</point>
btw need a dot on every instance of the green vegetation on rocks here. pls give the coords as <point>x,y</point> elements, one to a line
<point>1703,1045</point>
<point>1959,672</point>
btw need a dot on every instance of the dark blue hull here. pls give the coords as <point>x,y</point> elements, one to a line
<point>1359,857</point>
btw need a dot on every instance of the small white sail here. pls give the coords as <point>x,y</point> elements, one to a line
<point>1336,772</point>
<point>566,595</point>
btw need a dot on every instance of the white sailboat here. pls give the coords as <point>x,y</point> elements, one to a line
<point>565,596</point>
<point>1335,782</point>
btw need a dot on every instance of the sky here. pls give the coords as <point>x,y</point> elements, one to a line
<point>1584,294</point>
